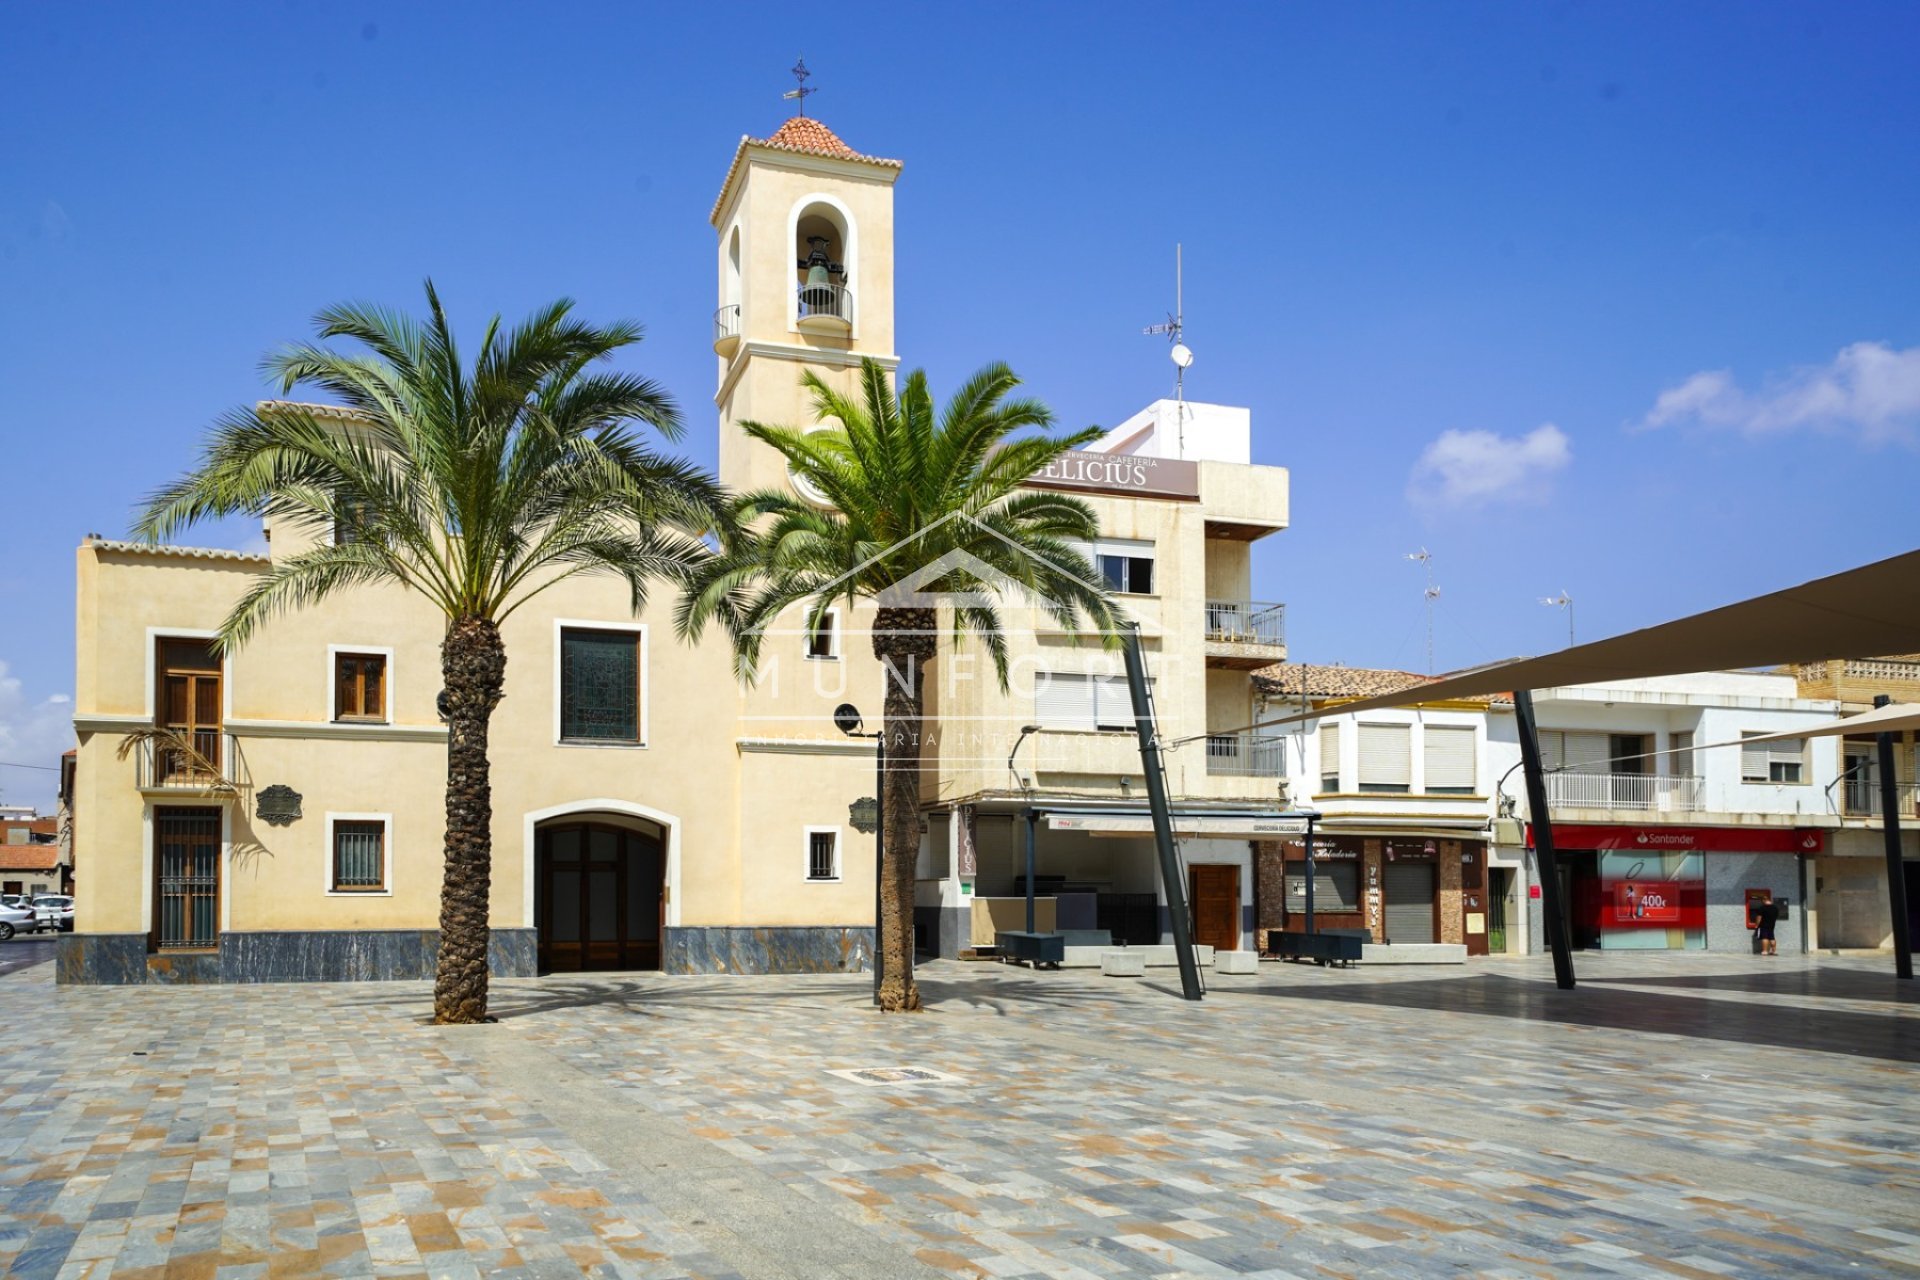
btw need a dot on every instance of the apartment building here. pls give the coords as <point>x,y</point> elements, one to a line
<point>649,812</point>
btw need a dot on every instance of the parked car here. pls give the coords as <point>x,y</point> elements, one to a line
<point>18,916</point>
<point>57,909</point>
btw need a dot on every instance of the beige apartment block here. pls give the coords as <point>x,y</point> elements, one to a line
<point>649,812</point>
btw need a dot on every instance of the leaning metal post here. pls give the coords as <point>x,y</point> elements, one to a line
<point>1033,817</point>
<point>1896,872</point>
<point>1548,862</point>
<point>1143,727</point>
<point>879,856</point>
<point>1309,875</point>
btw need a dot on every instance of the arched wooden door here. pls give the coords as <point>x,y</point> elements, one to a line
<point>598,897</point>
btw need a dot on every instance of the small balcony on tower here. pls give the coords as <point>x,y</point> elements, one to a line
<point>726,329</point>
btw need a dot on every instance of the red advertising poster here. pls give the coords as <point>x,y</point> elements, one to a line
<point>1646,902</point>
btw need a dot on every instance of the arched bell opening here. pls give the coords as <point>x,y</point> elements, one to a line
<point>823,271</point>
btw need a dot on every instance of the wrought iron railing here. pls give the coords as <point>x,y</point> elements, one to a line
<point>832,300</point>
<point>187,760</point>
<point>1641,792</point>
<point>1246,755</point>
<point>726,323</point>
<point>1860,798</point>
<point>1246,622</point>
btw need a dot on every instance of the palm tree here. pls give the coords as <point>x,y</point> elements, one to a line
<point>919,498</point>
<point>476,487</point>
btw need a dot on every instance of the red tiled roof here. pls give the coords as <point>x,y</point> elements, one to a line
<point>29,857</point>
<point>802,135</point>
<point>1292,679</point>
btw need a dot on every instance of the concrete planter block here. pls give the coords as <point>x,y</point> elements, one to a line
<point>1124,964</point>
<point>1236,962</point>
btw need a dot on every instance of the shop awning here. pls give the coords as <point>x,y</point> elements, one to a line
<point>1211,826</point>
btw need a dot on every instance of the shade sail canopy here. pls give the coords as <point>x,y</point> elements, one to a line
<point>1860,613</point>
<point>1892,718</point>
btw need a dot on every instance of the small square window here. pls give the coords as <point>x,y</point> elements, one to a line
<point>360,686</point>
<point>823,855</point>
<point>359,857</point>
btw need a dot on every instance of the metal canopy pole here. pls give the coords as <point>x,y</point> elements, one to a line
<point>1542,820</point>
<point>1310,875</point>
<point>879,857</point>
<point>1033,817</point>
<point>1896,871</point>
<point>1143,728</point>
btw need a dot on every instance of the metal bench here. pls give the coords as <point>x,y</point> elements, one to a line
<point>1335,946</point>
<point>1034,948</point>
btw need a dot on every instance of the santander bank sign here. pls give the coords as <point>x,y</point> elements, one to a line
<point>1583,835</point>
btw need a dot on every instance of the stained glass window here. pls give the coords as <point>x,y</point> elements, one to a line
<point>599,686</point>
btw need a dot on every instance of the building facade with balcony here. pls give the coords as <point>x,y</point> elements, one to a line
<point>1402,797</point>
<point>1667,823</point>
<point>277,812</point>
<point>1850,877</point>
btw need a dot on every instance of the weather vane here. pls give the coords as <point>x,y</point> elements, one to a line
<point>799,96</point>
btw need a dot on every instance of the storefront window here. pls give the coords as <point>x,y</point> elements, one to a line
<point>1652,901</point>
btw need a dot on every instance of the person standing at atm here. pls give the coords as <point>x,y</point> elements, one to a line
<point>1766,914</point>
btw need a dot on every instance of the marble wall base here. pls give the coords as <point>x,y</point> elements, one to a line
<point>362,955</point>
<point>775,949</point>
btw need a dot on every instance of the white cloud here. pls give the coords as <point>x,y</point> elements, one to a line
<point>35,733</point>
<point>1870,389</point>
<point>1480,468</point>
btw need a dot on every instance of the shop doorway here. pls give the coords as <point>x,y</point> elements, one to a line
<point>1214,890</point>
<point>598,895</point>
<point>1499,885</point>
<point>1580,898</point>
<point>1412,899</point>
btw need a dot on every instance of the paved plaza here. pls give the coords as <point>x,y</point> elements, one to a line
<point>1697,1116</point>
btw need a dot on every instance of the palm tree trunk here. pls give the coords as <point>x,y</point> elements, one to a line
<point>903,640</point>
<point>473,665</point>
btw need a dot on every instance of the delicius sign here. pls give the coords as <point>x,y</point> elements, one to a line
<point>1127,474</point>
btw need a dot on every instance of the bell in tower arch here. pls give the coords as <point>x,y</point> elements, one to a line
<point>817,292</point>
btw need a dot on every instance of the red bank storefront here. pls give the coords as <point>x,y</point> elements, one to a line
<point>1671,888</point>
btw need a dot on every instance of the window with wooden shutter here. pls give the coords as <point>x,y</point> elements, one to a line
<point>1386,757</point>
<point>1330,757</point>
<point>1449,759</point>
<point>359,686</point>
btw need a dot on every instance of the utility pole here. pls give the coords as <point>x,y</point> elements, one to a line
<point>1425,558</point>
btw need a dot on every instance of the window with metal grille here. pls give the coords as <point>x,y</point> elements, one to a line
<point>823,855</point>
<point>359,856</point>
<point>186,867</point>
<point>359,686</point>
<point>600,685</point>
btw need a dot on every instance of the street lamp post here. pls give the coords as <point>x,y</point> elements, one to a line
<point>846,718</point>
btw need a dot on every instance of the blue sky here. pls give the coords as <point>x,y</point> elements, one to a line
<point>1611,298</point>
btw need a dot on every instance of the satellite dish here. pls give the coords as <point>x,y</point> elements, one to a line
<point>1181,354</point>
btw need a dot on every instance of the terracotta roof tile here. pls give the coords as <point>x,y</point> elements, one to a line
<point>801,135</point>
<point>1294,679</point>
<point>157,549</point>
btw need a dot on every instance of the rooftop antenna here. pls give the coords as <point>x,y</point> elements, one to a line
<point>1179,352</point>
<point>798,97</point>
<point>1564,601</point>
<point>1425,558</point>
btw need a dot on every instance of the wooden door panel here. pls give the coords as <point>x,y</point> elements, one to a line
<point>1215,894</point>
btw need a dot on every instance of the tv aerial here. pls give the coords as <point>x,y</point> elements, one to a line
<point>1177,350</point>
<point>1562,601</point>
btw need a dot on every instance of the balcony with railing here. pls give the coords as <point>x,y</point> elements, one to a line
<point>1860,798</point>
<point>826,308</point>
<point>192,762</point>
<point>726,329</point>
<point>1245,755</point>
<point>1633,792</point>
<point>1245,634</point>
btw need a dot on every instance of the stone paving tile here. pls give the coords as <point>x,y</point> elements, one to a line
<point>1683,1116</point>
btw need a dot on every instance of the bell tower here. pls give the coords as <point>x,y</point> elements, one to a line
<point>805,228</point>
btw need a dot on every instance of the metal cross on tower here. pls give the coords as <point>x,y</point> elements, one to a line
<point>798,97</point>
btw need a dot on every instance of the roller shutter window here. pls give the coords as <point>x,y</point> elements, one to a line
<point>1112,703</point>
<point>1449,759</point>
<point>1336,887</point>
<point>1574,751</point>
<point>1063,700</point>
<point>1781,762</point>
<point>1329,759</point>
<point>1386,757</point>
<point>1409,907</point>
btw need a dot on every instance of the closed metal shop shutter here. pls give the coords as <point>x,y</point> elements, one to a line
<point>1410,892</point>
